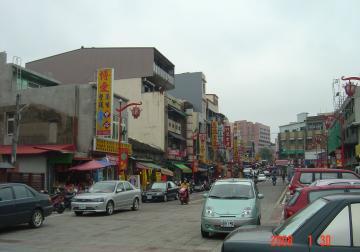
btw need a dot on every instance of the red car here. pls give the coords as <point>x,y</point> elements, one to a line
<point>304,196</point>
<point>305,176</point>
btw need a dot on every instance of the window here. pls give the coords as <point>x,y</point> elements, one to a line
<point>306,178</point>
<point>21,192</point>
<point>128,187</point>
<point>355,214</point>
<point>348,175</point>
<point>329,175</point>
<point>6,194</point>
<point>120,187</point>
<point>294,198</point>
<point>322,193</point>
<point>338,230</point>
<point>10,118</point>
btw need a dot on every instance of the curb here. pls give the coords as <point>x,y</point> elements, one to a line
<point>281,196</point>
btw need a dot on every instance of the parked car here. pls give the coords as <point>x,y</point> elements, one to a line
<point>305,176</point>
<point>199,188</point>
<point>230,203</point>
<point>328,224</point>
<point>161,191</point>
<point>267,173</point>
<point>107,196</point>
<point>304,196</point>
<point>261,177</point>
<point>335,182</point>
<point>20,204</point>
<point>248,172</point>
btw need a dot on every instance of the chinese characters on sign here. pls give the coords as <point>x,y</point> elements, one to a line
<point>227,136</point>
<point>104,102</point>
<point>220,136</point>
<point>214,134</point>
<point>202,146</point>
<point>236,153</point>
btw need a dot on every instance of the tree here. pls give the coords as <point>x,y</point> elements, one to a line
<point>266,154</point>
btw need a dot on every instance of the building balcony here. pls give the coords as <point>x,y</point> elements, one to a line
<point>163,76</point>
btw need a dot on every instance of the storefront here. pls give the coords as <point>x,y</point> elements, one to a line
<point>181,171</point>
<point>4,168</point>
<point>150,172</point>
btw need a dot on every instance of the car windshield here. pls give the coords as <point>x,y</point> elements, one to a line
<point>158,186</point>
<point>291,225</point>
<point>103,187</point>
<point>232,191</point>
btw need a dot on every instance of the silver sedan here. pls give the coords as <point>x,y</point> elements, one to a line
<point>107,196</point>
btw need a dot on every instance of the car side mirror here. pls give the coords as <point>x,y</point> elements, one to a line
<point>205,195</point>
<point>260,195</point>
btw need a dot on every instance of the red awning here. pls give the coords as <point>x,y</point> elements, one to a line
<point>283,162</point>
<point>88,166</point>
<point>37,149</point>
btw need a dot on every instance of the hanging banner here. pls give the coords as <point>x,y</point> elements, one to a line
<point>236,150</point>
<point>202,147</point>
<point>104,107</point>
<point>227,136</point>
<point>124,158</point>
<point>220,136</point>
<point>214,134</point>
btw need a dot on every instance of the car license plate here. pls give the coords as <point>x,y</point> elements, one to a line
<point>149,197</point>
<point>82,207</point>
<point>227,223</point>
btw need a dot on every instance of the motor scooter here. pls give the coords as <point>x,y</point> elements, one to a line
<point>274,180</point>
<point>184,196</point>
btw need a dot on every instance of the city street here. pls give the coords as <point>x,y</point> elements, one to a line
<point>155,227</point>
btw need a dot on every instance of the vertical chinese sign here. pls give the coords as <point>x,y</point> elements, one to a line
<point>214,134</point>
<point>202,147</point>
<point>220,136</point>
<point>236,150</point>
<point>104,96</point>
<point>227,136</point>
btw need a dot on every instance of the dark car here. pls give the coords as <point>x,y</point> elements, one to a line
<point>20,204</point>
<point>161,191</point>
<point>331,223</point>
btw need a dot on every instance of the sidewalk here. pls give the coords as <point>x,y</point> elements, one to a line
<point>277,212</point>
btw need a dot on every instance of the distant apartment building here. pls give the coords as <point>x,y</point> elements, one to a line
<point>252,136</point>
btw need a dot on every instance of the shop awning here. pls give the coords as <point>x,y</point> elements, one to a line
<point>148,165</point>
<point>37,149</point>
<point>88,166</point>
<point>6,165</point>
<point>177,136</point>
<point>183,168</point>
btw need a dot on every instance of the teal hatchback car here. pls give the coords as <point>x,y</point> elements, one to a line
<point>231,203</point>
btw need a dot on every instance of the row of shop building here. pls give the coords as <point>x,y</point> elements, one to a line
<point>327,139</point>
<point>49,121</point>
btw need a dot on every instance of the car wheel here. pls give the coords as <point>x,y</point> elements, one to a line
<point>37,219</point>
<point>135,205</point>
<point>78,213</point>
<point>165,198</point>
<point>109,208</point>
<point>204,234</point>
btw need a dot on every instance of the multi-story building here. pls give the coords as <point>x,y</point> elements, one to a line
<point>140,75</point>
<point>56,126</point>
<point>252,137</point>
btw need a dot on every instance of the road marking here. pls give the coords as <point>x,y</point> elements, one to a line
<point>281,196</point>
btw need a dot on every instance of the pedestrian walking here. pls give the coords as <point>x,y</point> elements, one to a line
<point>283,177</point>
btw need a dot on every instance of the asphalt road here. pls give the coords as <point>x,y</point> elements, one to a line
<point>155,227</point>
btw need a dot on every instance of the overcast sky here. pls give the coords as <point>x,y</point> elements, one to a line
<point>266,60</point>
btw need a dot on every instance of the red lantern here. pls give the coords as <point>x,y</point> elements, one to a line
<point>135,111</point>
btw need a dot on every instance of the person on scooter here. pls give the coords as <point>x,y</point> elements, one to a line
<point>185,184</point>
<point>274,177</point>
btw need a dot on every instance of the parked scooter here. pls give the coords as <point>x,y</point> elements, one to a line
<point>58,202</point>
<point>184,196</point>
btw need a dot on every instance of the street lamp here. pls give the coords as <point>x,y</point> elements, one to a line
<point>135,111</point>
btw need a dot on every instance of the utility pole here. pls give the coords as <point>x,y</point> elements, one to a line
<point>16,130</point>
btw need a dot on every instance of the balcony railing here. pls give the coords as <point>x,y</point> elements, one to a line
<point>164,75</point>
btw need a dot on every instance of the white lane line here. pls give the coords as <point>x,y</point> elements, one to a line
<point>281,197</point>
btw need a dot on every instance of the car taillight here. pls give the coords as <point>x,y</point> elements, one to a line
<point>288,213</point>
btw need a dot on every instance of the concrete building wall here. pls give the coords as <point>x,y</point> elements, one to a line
<point>189,86</point>
<point>33,164</point>
<point>149,127</point>
<point>80,65</point>
<point>293,126</point>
